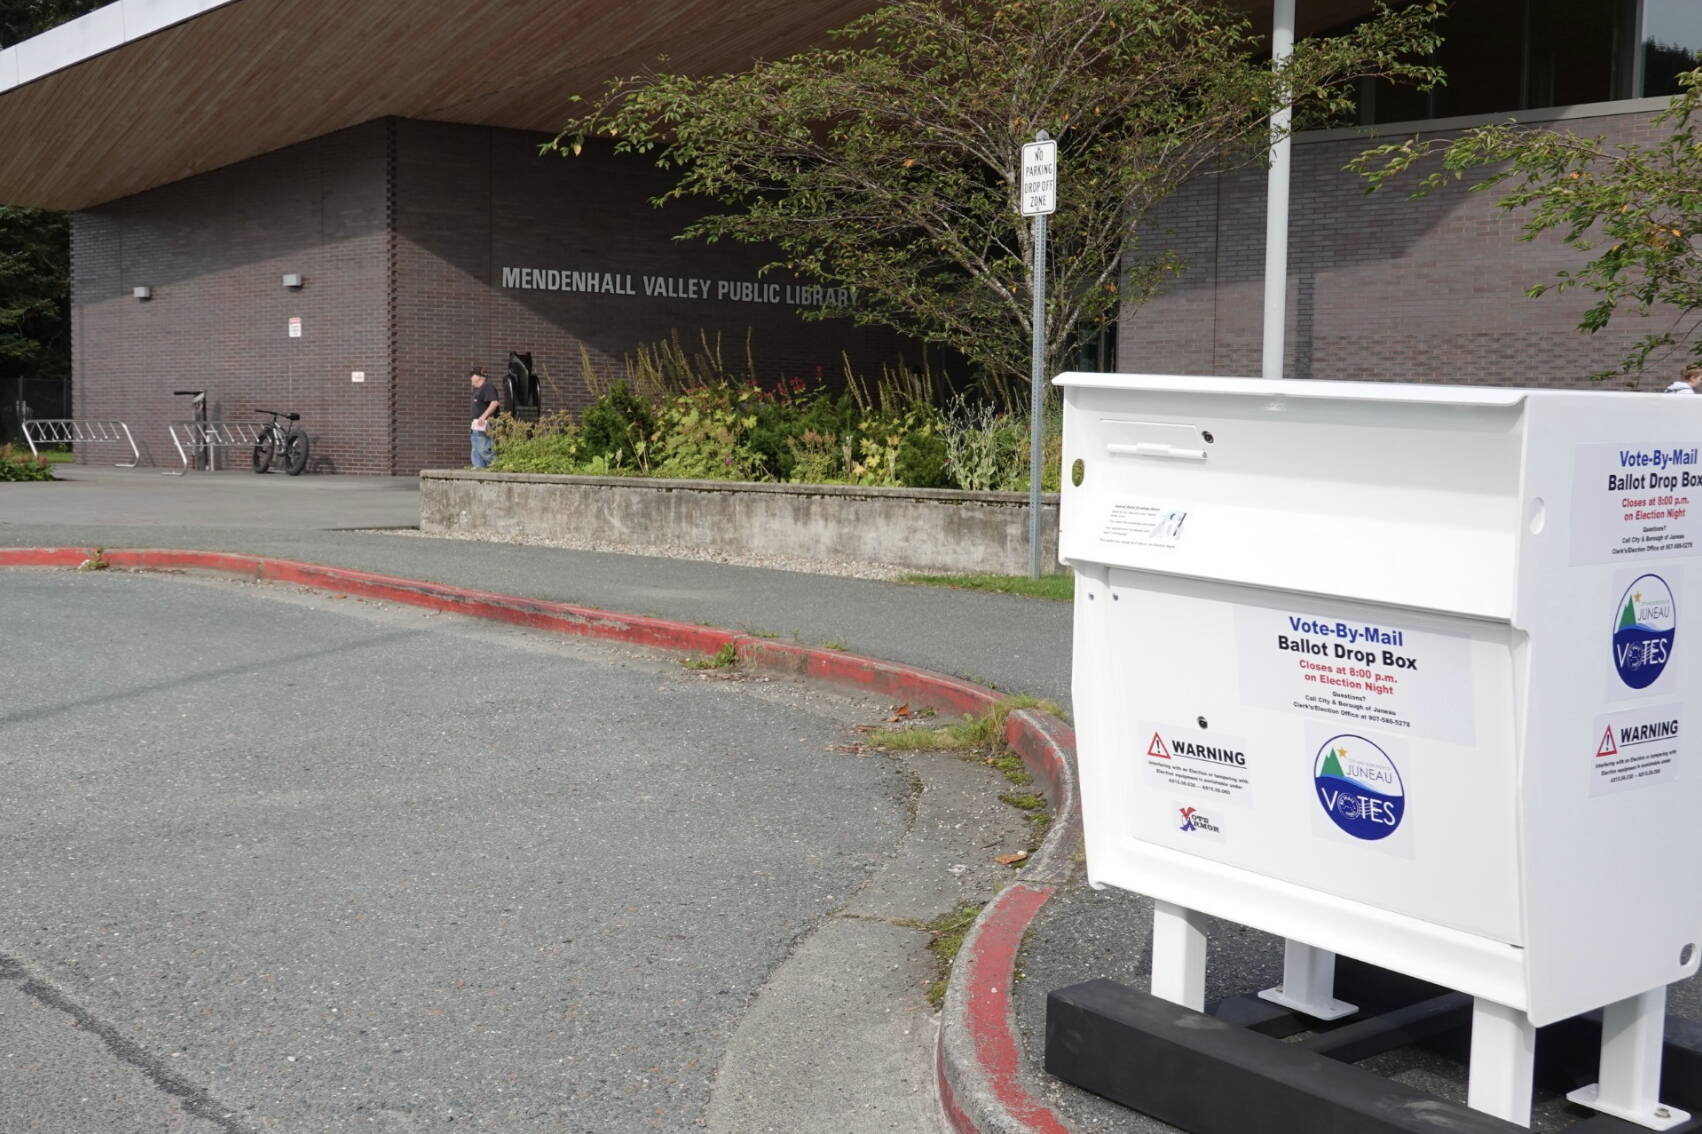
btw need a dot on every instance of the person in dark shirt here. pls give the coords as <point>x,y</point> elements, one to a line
<point>485,403</point>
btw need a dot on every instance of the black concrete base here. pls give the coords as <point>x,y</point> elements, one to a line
<point>1232,1073</point>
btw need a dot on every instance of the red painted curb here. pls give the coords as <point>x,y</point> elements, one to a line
<point>980,1088</point>
<point>44,556</point>
<point>981,979</point>
<point>1048,749</point>
<point>868,675</point>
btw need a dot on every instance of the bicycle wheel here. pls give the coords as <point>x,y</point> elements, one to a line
<point>295,452</point>
<point>263,450</point>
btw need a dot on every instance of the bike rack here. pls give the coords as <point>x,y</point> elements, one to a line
<point>191,437</point>
<point>75,431</point>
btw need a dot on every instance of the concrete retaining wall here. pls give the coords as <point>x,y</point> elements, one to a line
<point>923,529</point>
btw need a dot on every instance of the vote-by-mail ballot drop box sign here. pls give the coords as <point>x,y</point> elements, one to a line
<point>1407,673</point>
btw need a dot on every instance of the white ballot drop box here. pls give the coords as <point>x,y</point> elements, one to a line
<point>1406,673</point>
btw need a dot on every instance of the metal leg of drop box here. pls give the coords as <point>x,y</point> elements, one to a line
<point>1179,955</point>
<point>1633,1036</point>
<point>1308,983</point>
<point>1503,1061</point>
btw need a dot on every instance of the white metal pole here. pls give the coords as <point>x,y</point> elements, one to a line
<point>1179,955</point>
<point>1503,1061</point>
<point>1633,1039</point>
<point>1308,983</point>
<point>1276,203</point>
<point>1313,968</point>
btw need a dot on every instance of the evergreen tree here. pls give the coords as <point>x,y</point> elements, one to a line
<point>35,247</point>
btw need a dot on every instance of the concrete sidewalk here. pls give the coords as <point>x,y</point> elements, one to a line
<point>1011,644</point>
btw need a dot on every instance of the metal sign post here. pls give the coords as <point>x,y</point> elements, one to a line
<point>1039,196</point>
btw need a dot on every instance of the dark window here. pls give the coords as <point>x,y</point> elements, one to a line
<point>1482,54</point>
<point>1579,51</point>
<point>1503,56</point>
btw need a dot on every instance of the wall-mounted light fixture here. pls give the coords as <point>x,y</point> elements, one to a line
<point>292,280</point>
<point>142,292</point>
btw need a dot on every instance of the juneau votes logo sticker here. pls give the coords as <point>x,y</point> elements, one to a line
<point>1643,631</point>
<point>1359,787</point>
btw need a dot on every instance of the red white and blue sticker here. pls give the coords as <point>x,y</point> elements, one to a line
<point>1645,622</point>
<point>1206,824</point>
<point>1359,787</point>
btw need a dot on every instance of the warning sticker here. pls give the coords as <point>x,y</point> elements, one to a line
<point>1201,766</point>
<point>1135,524</point>
<point>1635,502</point>
<point>1637,748</point>
<point>1353,671</point>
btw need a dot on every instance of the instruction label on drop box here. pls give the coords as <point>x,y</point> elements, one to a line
<point>1635,502</point>
<point>1357,673</point>
<point>1134,523</point>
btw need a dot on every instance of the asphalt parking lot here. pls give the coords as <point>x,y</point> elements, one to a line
<point>281,862</point>
<point>832,1038</point>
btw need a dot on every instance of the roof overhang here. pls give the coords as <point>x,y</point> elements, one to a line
<point>141,93</point>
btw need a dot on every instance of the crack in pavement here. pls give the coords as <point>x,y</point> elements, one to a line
<point>196,1101</point>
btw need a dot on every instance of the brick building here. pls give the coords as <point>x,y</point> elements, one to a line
<point>385,155</point>
<point>422,247</point>
<point>425,229</point>
<point>1382,287</point>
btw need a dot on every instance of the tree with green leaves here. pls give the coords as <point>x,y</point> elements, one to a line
<point>887,160</point>
<point>1634,208</point>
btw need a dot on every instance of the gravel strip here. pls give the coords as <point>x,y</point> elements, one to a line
<point>885,572</point>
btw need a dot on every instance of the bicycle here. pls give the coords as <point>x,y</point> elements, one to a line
<point>276,441</point>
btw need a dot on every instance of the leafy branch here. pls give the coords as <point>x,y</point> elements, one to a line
<point>1634,208</point>
<point>887,160</point>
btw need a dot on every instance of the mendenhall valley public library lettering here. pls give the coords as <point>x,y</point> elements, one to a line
<point>678,287</point>
<point>268,243</point>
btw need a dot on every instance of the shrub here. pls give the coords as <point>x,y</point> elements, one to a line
<point>922,461</point>
<point>549,445</point>
<point>680,414</point>
<point>816,458</point>
<point>796,418</point>
<point>984,448</point>
<point>616,425</point>
<point>15,464</point>
<point>704,434</point>
<point>779,421</point>
<point>1051,454</point>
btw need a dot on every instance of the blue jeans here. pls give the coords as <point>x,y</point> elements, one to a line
<point>482,450</point>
